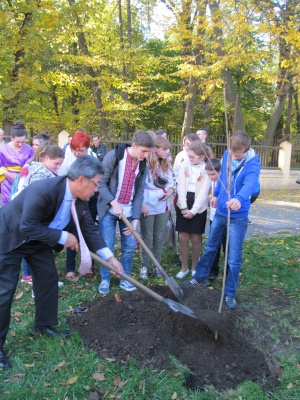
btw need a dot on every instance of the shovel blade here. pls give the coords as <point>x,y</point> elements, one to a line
<point>177,307</point>
<point>176,289</point>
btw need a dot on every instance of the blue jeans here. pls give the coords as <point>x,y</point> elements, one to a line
<point>107,227</point>
<point>26,269</point>
<point>237,232</point>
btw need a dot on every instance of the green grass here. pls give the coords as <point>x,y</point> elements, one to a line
<point>45,368</point>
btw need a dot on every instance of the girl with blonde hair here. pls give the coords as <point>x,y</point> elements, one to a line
<point>159,187</point>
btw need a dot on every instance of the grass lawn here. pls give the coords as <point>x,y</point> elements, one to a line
<point>45,368</point>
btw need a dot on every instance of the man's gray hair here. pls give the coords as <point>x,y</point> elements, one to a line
<point>85,166</point>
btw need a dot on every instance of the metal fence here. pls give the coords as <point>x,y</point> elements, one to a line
<point>268,154</point>
<point>295,157</point>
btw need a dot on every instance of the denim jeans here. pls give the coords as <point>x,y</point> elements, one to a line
<point>107,227</point>
<point>237,232</point>
<point>26,269</point>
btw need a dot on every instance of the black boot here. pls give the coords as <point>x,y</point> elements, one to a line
<point>4,363</point>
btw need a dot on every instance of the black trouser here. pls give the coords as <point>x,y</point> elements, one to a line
<point>44,276</point>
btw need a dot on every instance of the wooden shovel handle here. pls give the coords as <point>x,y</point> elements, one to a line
<point>128,278</point>
<point>144,246</point>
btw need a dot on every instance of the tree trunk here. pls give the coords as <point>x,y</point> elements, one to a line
<point>278,108</point>
<point>123,47</point>
<point>96,90</point>
<point>287,129</point>
<point>190,105</point>
<point>194,82</point>
<point>17,65</point>
<point>237,119</point>
<point>297,111</point>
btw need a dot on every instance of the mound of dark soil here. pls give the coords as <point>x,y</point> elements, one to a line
<point>133,325</point>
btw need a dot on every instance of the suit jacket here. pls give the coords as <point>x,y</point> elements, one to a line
<point>28,216</point>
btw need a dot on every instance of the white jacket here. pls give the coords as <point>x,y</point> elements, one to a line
<point>203,187</point>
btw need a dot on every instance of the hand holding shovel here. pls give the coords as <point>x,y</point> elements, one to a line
<point>170,281</point>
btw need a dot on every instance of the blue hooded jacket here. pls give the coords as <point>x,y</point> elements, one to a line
<point>243,184</point>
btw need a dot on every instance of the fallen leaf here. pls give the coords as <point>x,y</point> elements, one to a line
<point>174,396</point>
<point>290,386</point>
<point>16,377</point>
<point>19,295</point>
<point>110,359</point>
<point>72,380</point>
<point>117,381</point>
<point>45,384</point>
<point>118,298</point>
<point>57,368</point>
<point>17,314</point>
<point>98,376</point>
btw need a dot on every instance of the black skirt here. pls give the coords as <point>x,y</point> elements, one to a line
<point>194,225</point>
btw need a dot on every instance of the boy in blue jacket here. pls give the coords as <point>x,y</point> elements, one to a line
<point>245,169</point>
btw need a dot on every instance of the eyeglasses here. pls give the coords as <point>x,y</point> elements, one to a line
<point>96,184</point>
<point>192,158</point>
<point>80,151</point>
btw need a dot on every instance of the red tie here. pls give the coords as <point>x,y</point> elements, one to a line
<point>85,256</point>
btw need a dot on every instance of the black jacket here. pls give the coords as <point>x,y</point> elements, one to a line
<point>28,216</point>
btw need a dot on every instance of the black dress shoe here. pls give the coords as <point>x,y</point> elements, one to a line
<point>48,330</point>
<point>4,363</point>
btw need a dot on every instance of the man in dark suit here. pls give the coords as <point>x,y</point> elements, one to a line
<point>31,226</point>
<point>97,148</point>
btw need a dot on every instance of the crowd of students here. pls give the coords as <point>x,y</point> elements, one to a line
<point>136,181</point>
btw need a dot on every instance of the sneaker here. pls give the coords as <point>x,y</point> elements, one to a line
<point>182,274</point>
<point>230,302</point>
<point>125,285</point>
<point>157,273</point>
<point>104,286</point>
<point>193,273</point>
<point>197,281</point>
<point>27,279</point>
<point>144,272</point>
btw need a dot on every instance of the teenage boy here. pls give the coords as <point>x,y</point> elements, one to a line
<point>121,191</point>
<point>245,168</point>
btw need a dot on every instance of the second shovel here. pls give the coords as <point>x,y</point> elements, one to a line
<point>170,281</point>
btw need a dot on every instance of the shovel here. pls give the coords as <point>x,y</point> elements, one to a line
<point>176,307</point>
<point>170,281</point>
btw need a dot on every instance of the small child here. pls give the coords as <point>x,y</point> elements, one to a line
<point>213,169</point>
